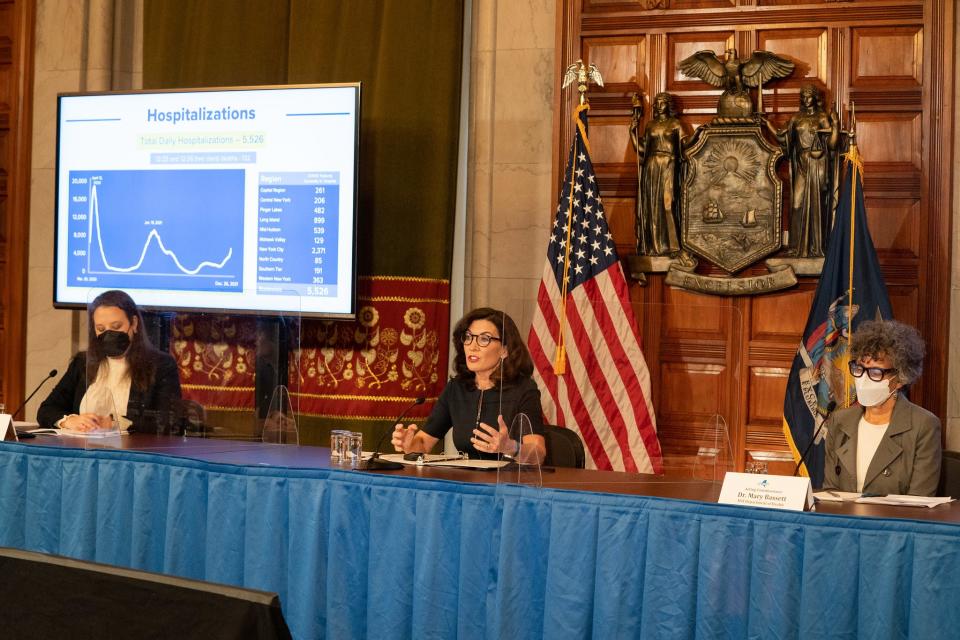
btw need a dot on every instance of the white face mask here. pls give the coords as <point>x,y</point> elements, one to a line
<point>870,393</point>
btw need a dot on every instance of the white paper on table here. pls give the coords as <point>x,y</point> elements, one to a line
<point>836,496</point>
<point>83,434</point>
<point>469,464</point>
<point>441,460</point>
<point>398,457</point>
<point>905,501</point>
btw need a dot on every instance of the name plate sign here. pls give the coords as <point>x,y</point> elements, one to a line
<point>7,432</point>
<point>776,492</point>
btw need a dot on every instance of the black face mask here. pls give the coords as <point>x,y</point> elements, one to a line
<point>113,344</point>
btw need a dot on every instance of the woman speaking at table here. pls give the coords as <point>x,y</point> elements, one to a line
<point>885,444</point>
<point>121,366</point>
<point>492,385</point>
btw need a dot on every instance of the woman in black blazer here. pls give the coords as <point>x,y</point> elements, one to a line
<point>120,370</point>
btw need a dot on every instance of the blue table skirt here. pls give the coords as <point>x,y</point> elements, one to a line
<point>356,555</point>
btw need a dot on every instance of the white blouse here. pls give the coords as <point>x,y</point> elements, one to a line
<point>110,391</point>
<point>868,440</point>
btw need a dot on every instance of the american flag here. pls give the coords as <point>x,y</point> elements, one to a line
<point>599,384</point>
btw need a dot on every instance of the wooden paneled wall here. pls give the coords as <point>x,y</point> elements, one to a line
<point>16,89</point>
<point>895,60</point>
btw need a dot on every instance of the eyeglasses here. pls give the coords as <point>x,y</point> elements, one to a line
<point>483,339</point>
<point>874,373</point>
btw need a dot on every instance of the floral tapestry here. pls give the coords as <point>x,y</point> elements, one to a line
<point>368,369</point>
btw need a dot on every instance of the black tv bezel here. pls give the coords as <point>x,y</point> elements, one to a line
<point>351,315</point>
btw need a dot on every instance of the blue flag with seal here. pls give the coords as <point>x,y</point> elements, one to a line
<point>851,290</point>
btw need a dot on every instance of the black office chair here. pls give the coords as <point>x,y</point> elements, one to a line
<point>193,418</point>
<point>564,447</point>
<point>950,474</point>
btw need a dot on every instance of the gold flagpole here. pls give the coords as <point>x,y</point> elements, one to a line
<point>856,166</point>
<point>560,358</point>
<point>582,74</point>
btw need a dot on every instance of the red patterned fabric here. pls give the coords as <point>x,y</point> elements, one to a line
<point>373,368</point>
<point>216,356</point>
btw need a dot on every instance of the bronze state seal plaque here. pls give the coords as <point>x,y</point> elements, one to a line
<point>730,201</point>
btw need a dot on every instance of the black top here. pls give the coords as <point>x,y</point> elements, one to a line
<point>66,396</point>
<point>458,404</point>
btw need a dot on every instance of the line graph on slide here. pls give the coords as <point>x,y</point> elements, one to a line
<point>178,229</point>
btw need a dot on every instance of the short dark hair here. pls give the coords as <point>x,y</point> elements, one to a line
<point>896,341</point>
<point>516,365</point>
<point>142,367</point>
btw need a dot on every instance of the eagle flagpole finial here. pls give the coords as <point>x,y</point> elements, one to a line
<point>583,75</point>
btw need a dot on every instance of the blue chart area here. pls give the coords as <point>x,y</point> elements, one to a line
<point>157,229</point>
<point>298,226</point>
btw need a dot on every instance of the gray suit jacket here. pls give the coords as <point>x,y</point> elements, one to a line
<point>906,462</point>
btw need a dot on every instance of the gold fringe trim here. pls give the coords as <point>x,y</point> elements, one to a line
<point>853,156</point>
<point>367,418</point>
<point>210,387</point>
<point>408,278</point>
<point>303,394</point>
<point>402,299</point>
<point>583,130</point>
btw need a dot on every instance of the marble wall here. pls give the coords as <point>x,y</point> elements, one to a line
<point>81,45</point>
<point>952,422</point>
<point>509,192</point>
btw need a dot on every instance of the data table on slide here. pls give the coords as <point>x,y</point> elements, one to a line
<point>297,233</point>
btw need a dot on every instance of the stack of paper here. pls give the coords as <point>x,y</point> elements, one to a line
<point>906,501</point>
<point>836,496</point>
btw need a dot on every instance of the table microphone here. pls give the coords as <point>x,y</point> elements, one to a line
<point>375,463</point>
<point>803,458</point>
<point>52,374</point>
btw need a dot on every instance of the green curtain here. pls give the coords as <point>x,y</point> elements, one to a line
<point>407,54</point>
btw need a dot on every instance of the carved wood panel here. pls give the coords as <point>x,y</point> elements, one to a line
<point>620,218</point>
<point>895,225</point>
<point>623,60</point>
<point>887,57</point>
<point>683,45</point>
<point>893,60</point>
<point>809,49</point>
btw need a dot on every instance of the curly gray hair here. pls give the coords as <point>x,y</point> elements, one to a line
<point>898,342</point>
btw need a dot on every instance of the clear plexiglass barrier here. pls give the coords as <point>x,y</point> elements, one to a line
<point>210,375</point>
<point>651,388</point>
<point>646,388</point>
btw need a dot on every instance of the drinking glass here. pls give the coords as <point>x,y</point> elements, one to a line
<point>338,446</point>
<point>354,448</point>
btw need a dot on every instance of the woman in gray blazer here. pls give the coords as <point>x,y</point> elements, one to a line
<point>884,444</point>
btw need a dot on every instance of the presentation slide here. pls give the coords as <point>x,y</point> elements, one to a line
<point>238,200</point>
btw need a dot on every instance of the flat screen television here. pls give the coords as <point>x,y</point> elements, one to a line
<point>224,200</point>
